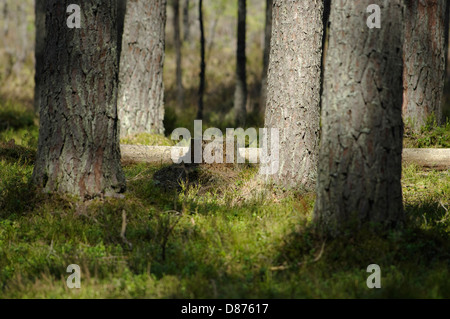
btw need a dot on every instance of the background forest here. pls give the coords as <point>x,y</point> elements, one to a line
<point>218,232</point>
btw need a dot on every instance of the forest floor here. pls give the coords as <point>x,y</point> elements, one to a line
<point>219,233</point>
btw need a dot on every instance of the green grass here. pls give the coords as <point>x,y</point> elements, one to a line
<point>147,139</point>
<point>217,233</point>
<point>430,135</point>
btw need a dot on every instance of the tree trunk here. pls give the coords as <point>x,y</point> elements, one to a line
<point>16,50</point>
<point>201,90</point>
<point>141,87</point>
<point>424,61</point>
<point>177,41</point>
<point>362,131</point>
<point>293,96</point>
<point>121,11</point>
<point>240,94</point>
<point>267,38</point>
<point>186,22</point>
<point>39,9</point>
<point>78,151</point>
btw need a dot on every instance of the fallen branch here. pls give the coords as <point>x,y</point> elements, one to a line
<point>435,158</point>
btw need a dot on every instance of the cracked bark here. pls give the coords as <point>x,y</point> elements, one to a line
<point>424,60</point>
<point>293,96</point>
<point>78,149</point>
<point>362,130</point>
<point>141,88</point>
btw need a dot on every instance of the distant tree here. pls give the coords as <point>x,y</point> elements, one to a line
<point>141,87</point>
<point>78,151</point>
<point>293,94</point>
<point>360,158</point>
<point>39,50</point>
<point>240,95</point>
<point>177,42</point>
<point>425,54</point>
<point>16,49</point>
<point>201,89</point>
<point>186,22</point>
<point>267,38</point>
<point>121,11</point>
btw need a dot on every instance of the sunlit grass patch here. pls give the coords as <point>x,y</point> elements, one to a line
<point>147,139</point>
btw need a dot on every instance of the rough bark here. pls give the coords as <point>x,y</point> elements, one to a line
<point>141,87</point>
<point>362,130</point>
<point>39,10</point>
<point>177,42</point>
<point>266,55</point>
<point>78,149</point>
<point>201,90</point>
<point>293,97</point>
<point>424,60</point>
<point>240,94</point>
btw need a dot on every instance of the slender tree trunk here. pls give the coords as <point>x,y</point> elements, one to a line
<point>78,151</point>
<point>202,63</point>
<point>186,22</point>
<point>326,33</point>
<point>293,96</point>
<point>240,95</point>
<point>16,50</point>
<point>267,38</point>
<point>39,9</point>
<point>424,60</point>
<point>446,107</point>
<point>141,87</point>
<point>121,12</point>
<point>177,41</point>
<point>362,131</point>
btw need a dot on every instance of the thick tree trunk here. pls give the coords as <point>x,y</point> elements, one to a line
<point>141,87</point>
<point>240,94</point>
<point>293,96</point>
<point>186,22</point>
<point>424,60</point>
<point>177,41</point>
<point>78,151</point>
<point>39,10</point>
<point>266,56</point>
<point>201,90</point>
<point>361,147</point>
